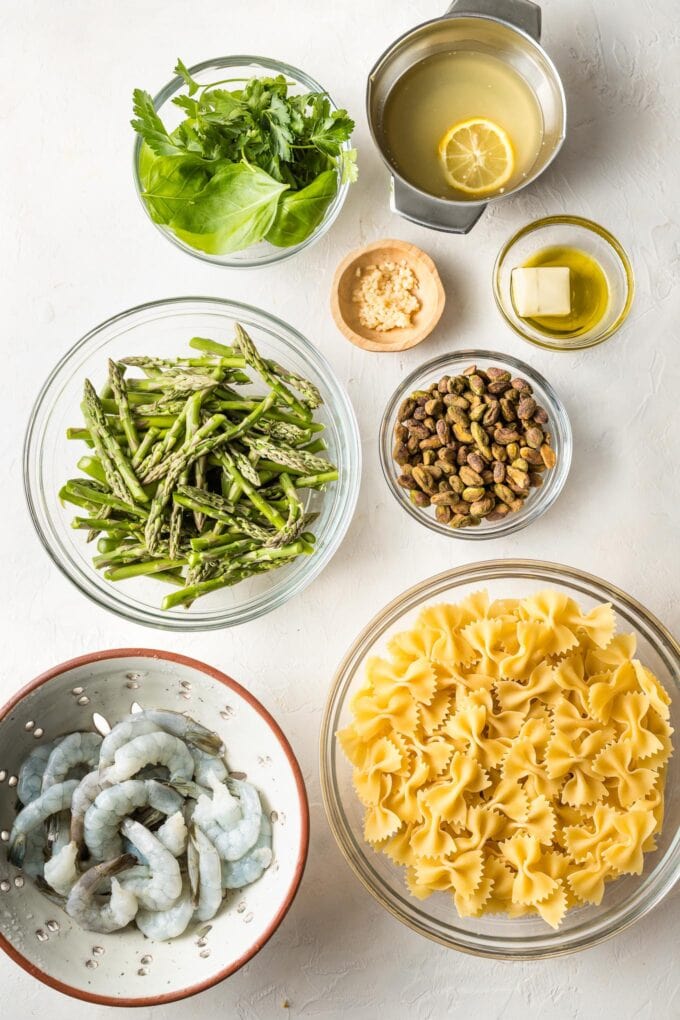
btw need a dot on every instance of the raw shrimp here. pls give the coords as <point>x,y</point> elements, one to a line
<point>91,913</point>
<point>153,749</point>
<point>217,813</point>
<point>76,749</point>
<point>167,924</point>
<point>122,733</point>
<point>57,798</point>
<point>61,871</point>
<point>205,874</point>
<point>238,874</point>
<point>164,886</point>
<point>207,767</point>
<point>103,818</point>
<point>173,834</point>
<point>234,842</point>
<point>85,795</point>
<point>29,785</point>
<point>151,720</point>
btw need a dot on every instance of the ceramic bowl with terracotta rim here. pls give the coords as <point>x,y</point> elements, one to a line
<point>430,293</point>
<point>125,968</point>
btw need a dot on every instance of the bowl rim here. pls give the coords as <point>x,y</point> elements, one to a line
<point>277,254</point>
<point>513,522</point>
<point>574,221</point>
<point>303,804</point>
<point>351,442</point>
<point>542,570</point>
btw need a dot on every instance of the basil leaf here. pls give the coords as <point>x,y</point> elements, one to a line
<point>299,213</point>
<point>234,210</point>
<point>170,181</point>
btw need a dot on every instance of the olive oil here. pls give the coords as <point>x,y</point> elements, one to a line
<point>448,88</point>
<point>589,291</point>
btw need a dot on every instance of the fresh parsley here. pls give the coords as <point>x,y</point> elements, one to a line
<point>245,164</point>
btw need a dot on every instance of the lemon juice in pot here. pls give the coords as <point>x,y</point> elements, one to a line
<point>463,125</point>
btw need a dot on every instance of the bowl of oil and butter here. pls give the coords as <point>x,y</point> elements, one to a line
<point>466,110</point>
<point>563,283</point>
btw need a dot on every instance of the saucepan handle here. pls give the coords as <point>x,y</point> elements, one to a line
<point>451,217</point>
<point>520,13</point>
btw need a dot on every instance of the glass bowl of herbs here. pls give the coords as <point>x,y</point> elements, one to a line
<point>242,161</point>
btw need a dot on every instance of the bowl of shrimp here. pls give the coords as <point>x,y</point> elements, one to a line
<point>154,827</point>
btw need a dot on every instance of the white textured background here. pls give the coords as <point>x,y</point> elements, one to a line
<point>76,248</point>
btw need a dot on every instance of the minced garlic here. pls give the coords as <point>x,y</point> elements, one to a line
<point>385,295</point>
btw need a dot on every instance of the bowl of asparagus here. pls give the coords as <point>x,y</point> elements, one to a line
<point>192,463</point>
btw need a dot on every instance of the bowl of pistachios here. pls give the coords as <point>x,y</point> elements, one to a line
<point>475,445</point>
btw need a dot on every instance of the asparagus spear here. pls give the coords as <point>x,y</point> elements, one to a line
<point>117,384</point>
<point>249,458</point>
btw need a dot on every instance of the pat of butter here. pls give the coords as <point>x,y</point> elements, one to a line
<point>542,291</point>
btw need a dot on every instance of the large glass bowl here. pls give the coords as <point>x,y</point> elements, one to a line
<point>238,69</point>
<point>164,328</point>
<point>538,500</point>
<point>625,900</point>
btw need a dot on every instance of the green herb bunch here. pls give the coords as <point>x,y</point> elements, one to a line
<point>245,165</point>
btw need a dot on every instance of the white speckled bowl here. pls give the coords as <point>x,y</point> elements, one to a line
<point>125,968</point>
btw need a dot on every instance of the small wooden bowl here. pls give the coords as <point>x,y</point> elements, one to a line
<point>430,293</point>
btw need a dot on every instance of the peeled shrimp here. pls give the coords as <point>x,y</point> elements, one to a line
<point>57,798</point>
<point>167,924</point>
<point>173,834</point>
<point>217,813</point>
<point>29,785</point>
<point>240,837</point>
<point>238,874</point>
<point>207,767</point>
<point>76,749</point>
<point>91,913</point>
<point>84,797</point>
<point>61,871</point>
<point>151,720</point>
<point>205,875</point>
<point>164,886</point>
<point>103,818</point>
<point>153,749</point>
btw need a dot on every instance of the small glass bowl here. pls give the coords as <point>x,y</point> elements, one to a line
<point>238,68</point>
<point>163,329</point>
<point>625,900</point>
<point>538,500</point>
<point>572,232</point>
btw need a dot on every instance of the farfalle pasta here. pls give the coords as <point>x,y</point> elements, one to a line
<point>511,753</point>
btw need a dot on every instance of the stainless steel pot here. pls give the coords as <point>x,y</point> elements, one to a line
<point>508,29</point>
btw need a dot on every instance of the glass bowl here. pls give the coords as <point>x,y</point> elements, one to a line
<point>572,232</point>
<point>37,933</point>
<point>625,900</point>
<point>164,328</point>
<point>539,499</point>
<point>238,68</point>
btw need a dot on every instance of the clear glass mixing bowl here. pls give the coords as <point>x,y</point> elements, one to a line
<point>625,900</point>
<point>164,328</point>
<point>238,68</point>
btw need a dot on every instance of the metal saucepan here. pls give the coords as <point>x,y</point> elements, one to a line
<point>508,29</point>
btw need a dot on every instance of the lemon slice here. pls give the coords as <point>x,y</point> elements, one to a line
<point>476,156</point>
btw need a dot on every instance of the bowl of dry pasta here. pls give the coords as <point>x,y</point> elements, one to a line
<point>497,759</point>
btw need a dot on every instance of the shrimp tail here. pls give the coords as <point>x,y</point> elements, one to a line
<point>17,850</point>
<point>206,740</point>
